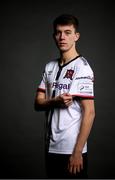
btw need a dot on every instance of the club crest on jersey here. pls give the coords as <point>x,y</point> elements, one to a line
<point>69,74</point>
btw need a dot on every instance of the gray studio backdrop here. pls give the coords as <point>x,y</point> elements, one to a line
<point>26,45</point>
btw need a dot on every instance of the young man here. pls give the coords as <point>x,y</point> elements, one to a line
<point>66,94</point>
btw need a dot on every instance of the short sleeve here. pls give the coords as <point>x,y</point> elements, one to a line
<point>42,85</point>
<point>83,83</point>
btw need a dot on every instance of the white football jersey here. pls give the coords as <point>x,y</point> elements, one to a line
<point>76,78</point>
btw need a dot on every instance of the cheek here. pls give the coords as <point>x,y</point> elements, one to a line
<point>71,39</point>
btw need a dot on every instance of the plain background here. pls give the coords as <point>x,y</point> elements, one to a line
<point>26,45</point>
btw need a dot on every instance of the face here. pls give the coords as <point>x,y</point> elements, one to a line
<point>66,37</point>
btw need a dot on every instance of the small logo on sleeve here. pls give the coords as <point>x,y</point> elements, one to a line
<point>69,74</point>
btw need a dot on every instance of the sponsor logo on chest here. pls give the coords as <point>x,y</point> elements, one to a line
<point>60,85</point>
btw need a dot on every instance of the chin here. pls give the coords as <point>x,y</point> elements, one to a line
<point>63,49</point>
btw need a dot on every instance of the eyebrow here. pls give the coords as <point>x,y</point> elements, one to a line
<point>67,30</point>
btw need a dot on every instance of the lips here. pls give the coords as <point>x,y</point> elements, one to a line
<point>62,44</point>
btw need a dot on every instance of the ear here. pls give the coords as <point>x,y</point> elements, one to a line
<point>77,36</point>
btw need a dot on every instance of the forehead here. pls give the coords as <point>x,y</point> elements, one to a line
<point>65,27</point>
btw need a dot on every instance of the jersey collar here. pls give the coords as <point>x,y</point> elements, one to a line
<point>61,66</point>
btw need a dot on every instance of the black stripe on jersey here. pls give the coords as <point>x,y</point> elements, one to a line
<point>58,73</point>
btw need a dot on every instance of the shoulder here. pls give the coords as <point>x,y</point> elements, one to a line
<point>83,65</point>
<point>82,61</point>
<point>51,64</point>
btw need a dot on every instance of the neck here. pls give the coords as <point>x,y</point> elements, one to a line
<point>68,56</point>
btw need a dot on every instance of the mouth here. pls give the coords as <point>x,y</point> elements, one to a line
<point>62,44</point>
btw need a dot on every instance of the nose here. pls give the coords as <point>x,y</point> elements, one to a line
<point>62,36</point>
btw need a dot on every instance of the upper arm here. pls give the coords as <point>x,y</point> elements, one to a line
<point>88,105</point>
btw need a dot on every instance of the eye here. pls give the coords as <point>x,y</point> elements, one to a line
<point>68,32</point>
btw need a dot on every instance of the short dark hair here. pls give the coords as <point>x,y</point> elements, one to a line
<point>66,19</point>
